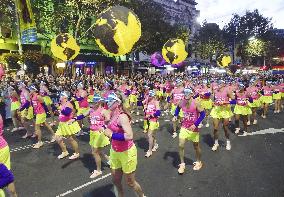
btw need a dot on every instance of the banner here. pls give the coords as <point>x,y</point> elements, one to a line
<point>27,22</point>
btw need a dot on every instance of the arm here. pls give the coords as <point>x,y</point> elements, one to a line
<point>158,110</point>
<point>125,124</point>
<point>6,176</point>
<point>201,115</point>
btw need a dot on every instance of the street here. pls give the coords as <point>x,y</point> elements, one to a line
<point>254,166</point>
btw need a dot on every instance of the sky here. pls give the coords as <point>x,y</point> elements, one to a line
<point>220,11</point>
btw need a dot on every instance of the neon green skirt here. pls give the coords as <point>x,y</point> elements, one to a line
<point>65,129</point>
<point>242,110</point>
<point>98,139</point>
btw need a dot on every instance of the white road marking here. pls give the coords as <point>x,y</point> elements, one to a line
<point>267,131</point>
<point>84,185</point>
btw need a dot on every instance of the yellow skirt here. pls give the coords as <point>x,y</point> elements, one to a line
<point>98,139</point>
<point>186,134</point>
<point>15,105</point>
<point>256,103</point>
<point>282,94</point>
<point>82,111</point>
<point>266,99</point>
<point>152,125</point>
<point>40,118</point>
<point>220,112</point>
<point>277,96</point>
<point>242,110</point>
<point>159,93</point>
<point>173,109</point>
<point>28,113</point>
<point>47,100</point>
<point>133,98</point>
<point>65,129</point>
<point>5,157</point>
<point>206,104</point>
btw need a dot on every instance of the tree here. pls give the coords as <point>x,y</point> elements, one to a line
<point>209,42</point>
<point>7,14</point>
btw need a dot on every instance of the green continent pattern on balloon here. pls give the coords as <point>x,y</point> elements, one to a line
<point>117,30</point>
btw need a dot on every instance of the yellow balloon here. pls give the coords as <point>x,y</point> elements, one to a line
<point>174,51</point>
<point>117,30</point>
<point>64,47</point>
<point>226,60</point>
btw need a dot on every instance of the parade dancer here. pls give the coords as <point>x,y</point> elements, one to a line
<point>242,109</point>
<point>167,94</point>
<point>98,116</point>
<point>15,106</point>
<point>151,124</point>
<point>205,102</point>
<point>67,128</point>
<point>177,96</point>
<point>192,114</point>
<point>81,104</point>
<point>39,111</point>
<point>221,112</point>
<point>44,93</point>
<point>266,98</point>
<point>277,97</point>
<point>5,161</point>
<point>253,92</point>
<point>133,99</point>
<point>123,153</point>
<point>26,109</point>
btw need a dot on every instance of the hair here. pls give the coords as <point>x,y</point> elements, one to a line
<point>124,110</point>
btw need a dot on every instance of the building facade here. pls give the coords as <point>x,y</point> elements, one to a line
<point>182,12</point>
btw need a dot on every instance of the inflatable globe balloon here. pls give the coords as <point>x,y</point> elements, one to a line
<point>224,60</point>
<point>174,51</point>
<point>157,59</point>
<point>117,30</point>
<point>64,47</point>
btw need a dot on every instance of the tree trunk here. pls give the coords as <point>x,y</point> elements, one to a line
<point>78,26</point>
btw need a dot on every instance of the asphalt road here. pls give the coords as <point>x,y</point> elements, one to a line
<point>254,166</point>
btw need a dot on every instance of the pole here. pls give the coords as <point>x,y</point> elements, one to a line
<point>18,29</point>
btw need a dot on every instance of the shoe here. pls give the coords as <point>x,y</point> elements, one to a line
<point>51,124</point>
<point>80,133</point>
<point>155,148</point>
<point>53,139</point>
<point>275,111</point>
<point>254,122</point>
<point>237,130</point>
<point>38,145</point>
<point>200,125</point>
<point>174,135</point>
<point>197,165</point>
<point>263,116</point>
<point>108,162</point>
<point>215,147</point>
<point>145,131</point>
<point>248,123</point>
<point>26,136</point>
<point>148,154</point>
<point>278,111</point>
<point>34,135</point>
<point>21,128</point>
<point>228,146</point>
<point>207,125</point>
<point>137,113</point>
<point>181,168</point>
<point>245,134</point>
<point>95,174</point>
<point>74,156</point>
<point>63,155</point>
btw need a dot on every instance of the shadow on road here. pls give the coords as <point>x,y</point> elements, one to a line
<point>175,158</point>
<point>104,191</point>
<point>142,143</point>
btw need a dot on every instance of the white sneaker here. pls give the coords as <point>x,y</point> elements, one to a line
<point>237,130</point>
<point>15,129</point>
<point>137,113</point>
<point>95,174</point>
<point>74,156</point>
<point>174,135</point>
<point>197,165</point>
<point>228,146</point>
<point>207,125</point>
<point>155,148</point>
<point>248,123</point>
<point>200,125</point>
<point>215,147</point>
<point>53,139</point>
<point>63,155</point>
<point>148,154</point>
<point>254,122</point>
<point>108,162</point>
<point>21,128</point>
<point>275,111</point>
<point>181,168</point>
<point>38,145</point>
